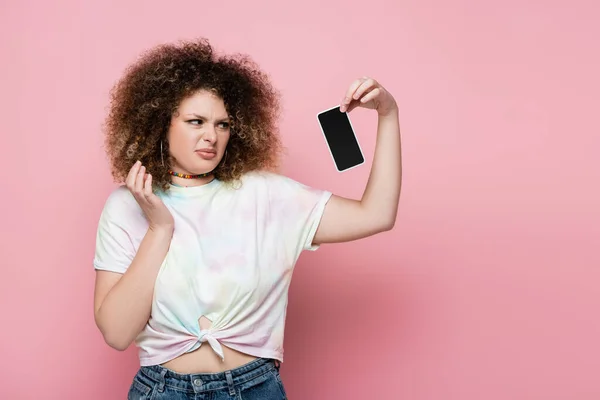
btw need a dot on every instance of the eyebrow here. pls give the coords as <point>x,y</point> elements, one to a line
<point>201,117</point>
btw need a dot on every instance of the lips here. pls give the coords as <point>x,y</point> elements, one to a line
<point>207,151</point>
<point>207,154</point>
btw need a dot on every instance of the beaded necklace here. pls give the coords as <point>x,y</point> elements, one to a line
<point>188,176</point>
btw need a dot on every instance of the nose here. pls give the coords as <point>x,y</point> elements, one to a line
<point>209,134</point>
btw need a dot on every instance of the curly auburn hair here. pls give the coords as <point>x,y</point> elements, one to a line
<point>144,100</point>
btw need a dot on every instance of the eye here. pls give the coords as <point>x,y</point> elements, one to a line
<point>193,121</point>
<point>224,125</point>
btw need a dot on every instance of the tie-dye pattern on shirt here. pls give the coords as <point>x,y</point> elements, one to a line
<point>231,260</point>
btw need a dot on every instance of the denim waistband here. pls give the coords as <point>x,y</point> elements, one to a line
<point>198,383</point>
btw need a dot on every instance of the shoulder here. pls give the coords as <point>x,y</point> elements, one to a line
<point>120,203</point>
<point>265,177</point>
<point>258,176</point>
<point>267,180</point>
<point>279,186</point>
<point>120,196</point>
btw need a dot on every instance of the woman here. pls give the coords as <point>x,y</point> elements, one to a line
<point>195,252</point>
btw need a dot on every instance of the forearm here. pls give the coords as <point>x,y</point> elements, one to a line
<point>126,308</point>
<point>382,193</point>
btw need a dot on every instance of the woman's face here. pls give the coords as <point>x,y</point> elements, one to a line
<point>198,134</point>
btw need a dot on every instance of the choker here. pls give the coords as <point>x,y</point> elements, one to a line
<point>187,176</point>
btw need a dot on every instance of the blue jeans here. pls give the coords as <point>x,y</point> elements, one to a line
<point>259,379</point>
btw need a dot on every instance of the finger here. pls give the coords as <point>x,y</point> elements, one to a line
<point>352,106</point>
<point>148,187</point>
<point>371,95</point>
<point>139,181</point>
<point>349,93</point>
<point>130,180</point>
<point>366,85</point>
<point>357,103</point>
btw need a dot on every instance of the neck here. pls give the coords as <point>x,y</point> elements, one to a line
<point>189,180</point>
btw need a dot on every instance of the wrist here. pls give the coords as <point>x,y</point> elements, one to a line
<point>391,116</point>
<point>164,229</point>
<point>391,112</point>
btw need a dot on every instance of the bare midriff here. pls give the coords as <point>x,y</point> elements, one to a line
<point>205,360</point>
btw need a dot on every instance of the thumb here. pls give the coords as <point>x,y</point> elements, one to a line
<point>353,104</point>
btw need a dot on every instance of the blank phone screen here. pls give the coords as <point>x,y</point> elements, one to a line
<point>341,139</point>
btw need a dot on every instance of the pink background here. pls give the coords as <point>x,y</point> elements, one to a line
<point>487,288</point>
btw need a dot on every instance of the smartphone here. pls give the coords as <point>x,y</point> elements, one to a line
<point>341,139</point>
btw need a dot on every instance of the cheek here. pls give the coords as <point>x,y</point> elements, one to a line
<point>181,141</point>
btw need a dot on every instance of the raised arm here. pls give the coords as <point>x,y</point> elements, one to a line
<point>349,219</point>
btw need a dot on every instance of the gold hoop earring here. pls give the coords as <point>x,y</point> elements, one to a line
<point>224,158</point>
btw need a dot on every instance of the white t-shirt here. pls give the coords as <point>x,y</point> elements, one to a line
<point>230,260</point>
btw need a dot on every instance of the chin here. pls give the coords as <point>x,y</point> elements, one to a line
<point>198,165</point>
<point>202,168</point>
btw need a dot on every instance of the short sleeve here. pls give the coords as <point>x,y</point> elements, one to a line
<point>115,238</point>
<point>299,209</point>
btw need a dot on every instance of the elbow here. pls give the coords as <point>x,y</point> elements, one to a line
<point>380,227</point>
<point>382,220</point>
<point>114,339</point>
<point>387,222</point>
<point>117,343</point>
<point>388,225</point>
<point>390,221</point>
